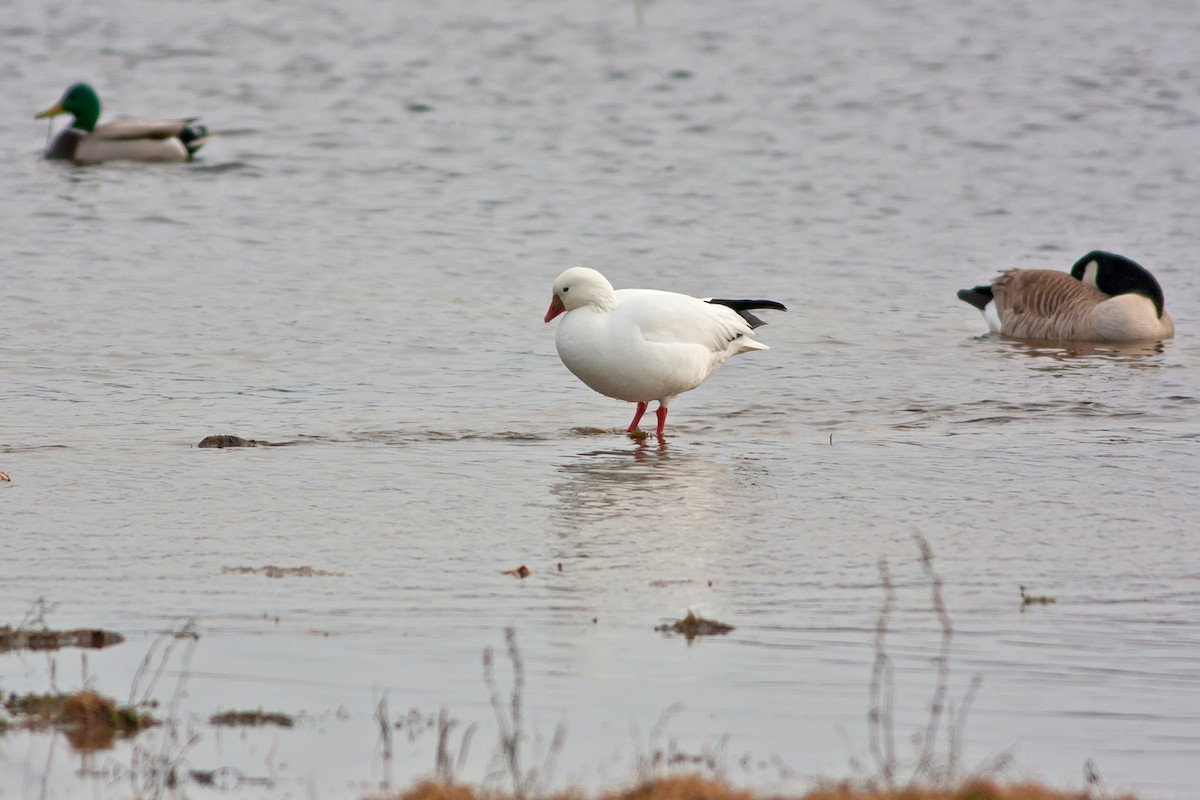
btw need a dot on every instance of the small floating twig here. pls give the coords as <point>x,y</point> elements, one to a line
<point>1029,599</point>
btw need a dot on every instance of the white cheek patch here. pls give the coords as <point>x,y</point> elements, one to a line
<point>1089,274</point>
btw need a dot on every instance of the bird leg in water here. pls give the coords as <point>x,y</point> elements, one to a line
<point>637,417</point>
<point>661,413</point>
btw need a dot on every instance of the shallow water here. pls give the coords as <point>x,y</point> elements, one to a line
<point>359,265</point>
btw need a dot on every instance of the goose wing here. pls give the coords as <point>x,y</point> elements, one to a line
<point>1045,304</point>
<point>671,318</point>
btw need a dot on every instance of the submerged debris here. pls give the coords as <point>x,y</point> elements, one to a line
<point>224,440</point>
<point>590,431</point>
<point>89,720</point>
<point>229,440</point>
<point>520,572</point>
<point>45,639</point>
<point>693,625</point>
<point>272,571</point>
<point>252,718</point>
<point>1029,599</point>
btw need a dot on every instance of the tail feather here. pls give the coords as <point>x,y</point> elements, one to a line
<point>193,137</point>
<point>743,307</point>
<point>979,297</point>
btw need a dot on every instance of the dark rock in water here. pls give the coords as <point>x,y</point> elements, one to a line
<point>228,440</point>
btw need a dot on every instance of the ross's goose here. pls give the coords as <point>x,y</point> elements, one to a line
<point>640,345</point>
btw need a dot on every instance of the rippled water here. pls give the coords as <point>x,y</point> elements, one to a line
<point>359,265</point>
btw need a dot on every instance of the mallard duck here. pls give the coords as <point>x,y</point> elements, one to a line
<point>1104,298</point>
<point>640,345</point>
<point>85,142</point>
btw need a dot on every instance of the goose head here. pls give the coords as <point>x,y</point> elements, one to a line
<point>579,287</point>
<point>1114,275</point>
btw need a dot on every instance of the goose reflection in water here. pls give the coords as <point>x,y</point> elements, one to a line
<point>660,487</point>
<point>1071,350</point>
<point>1087,355</point>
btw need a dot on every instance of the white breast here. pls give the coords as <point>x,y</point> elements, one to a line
<point>1130,317</point>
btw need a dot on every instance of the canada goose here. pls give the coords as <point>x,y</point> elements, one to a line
<point>640,345</point>
<point>85,142</point>
<point>1104,298</point>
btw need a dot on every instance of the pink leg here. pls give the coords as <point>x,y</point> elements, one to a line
<point>661,413</point>
<point>637,417</point>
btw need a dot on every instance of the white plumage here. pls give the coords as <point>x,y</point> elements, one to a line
<point>640,345</point>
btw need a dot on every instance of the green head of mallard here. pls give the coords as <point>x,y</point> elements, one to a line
<point>80,100</point>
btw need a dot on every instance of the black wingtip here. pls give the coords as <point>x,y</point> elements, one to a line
<point>979,297</point>
<point>743,308</point>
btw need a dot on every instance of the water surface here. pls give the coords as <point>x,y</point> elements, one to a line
<point>359,265</point>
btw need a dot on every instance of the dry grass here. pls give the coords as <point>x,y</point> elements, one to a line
<point>969,790</point>
<point>434,790</point>
<point>699,788</point>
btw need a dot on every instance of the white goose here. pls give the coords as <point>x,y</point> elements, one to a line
<point>640,345</point>
<point>1104,298</point>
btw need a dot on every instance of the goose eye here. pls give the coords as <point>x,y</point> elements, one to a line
<point>566,289</point>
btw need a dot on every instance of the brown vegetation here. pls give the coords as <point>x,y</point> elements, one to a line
<point>223,440</point>
<point>251,719</point>
<point>694,625</point>
<point>89,720</point>
<point>45,639</point>
<point>699,788</point>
